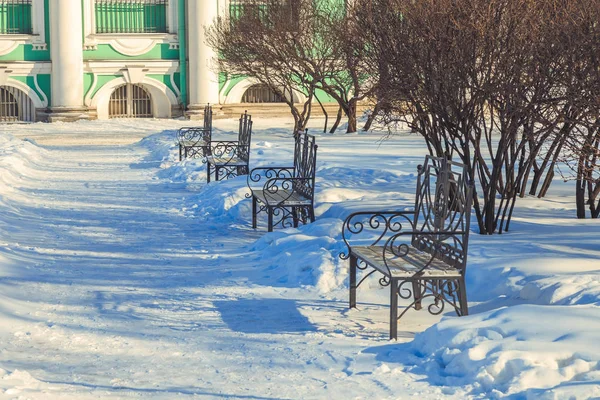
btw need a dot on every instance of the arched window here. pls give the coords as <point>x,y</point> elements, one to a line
<point>261,94</point>
<point>15,105</point>
<point>130,101</point>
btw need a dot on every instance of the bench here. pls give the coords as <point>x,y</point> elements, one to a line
<point>286,194</point>
<point>193,141</point>
<point>228,159</point>
<point>421,252</point>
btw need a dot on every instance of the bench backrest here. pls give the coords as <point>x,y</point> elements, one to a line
<point>195,135</point>
<point>443,204</point>
<point>305,164</point>
<point>244,136</point>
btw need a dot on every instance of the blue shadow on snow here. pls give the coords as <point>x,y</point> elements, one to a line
<point>263,316</point>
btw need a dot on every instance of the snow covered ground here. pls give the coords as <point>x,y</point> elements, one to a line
<point>123,275</point>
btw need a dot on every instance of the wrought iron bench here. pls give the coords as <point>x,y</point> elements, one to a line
<point>421,253</point>
<point>287,193</point>
<point>193,141</point>
<point>227,159</point>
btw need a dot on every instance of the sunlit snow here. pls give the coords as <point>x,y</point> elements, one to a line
<point>124,275</point>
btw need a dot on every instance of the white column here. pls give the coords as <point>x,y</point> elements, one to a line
<point>66,51</point>
<point>203,78</point>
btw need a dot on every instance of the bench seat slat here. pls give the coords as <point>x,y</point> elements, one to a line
<point>405,266</point>
<point>193,143</point>
<point>229,161</point>
<point>288,196</point>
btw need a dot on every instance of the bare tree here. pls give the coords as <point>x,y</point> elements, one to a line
<point>309,45</point>
<point>579,40</point>
<point>255,43</point>
<point>464,74</point>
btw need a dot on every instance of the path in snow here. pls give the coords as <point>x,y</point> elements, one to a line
<point>111,288</point>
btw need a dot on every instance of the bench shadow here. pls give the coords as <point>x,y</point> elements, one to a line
<point>273,316</point>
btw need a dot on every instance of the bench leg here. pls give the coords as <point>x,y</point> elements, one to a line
<point>270,219</point>
<point>185,152</point>
<point>311,213</point>
<point>207,172</point>
<point>417,294</point>
<point>216,170</point>
<point>462,295</point>
<point>180,152</point>
<point>353,265</point>
<point>295,216</point>
<point>254,207</point>
<point>393,308</point>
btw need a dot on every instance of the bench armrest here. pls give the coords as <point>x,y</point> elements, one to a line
<point>193,135</point>
<point>379,224</point>
<point>261,173</point>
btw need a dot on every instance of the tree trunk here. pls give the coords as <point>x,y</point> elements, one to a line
<point>580,189</point>
<point>371,118</point>
<point>351,114</point>
<point>324,113</point>
<point>338,119</point>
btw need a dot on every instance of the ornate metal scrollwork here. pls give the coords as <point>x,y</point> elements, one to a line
<point>442,291</point>
<point>381,224</point>
<point>267,173</point>
<point>228,159</point>
<point>282,216</point>
<point>287,193</point>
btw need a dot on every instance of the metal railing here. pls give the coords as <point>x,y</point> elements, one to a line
<point>285,13</point>
<point>131,16</point>
<point>15,17</point>
<point>241,8</point>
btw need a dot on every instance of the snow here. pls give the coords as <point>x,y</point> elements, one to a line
<point>123,274</point>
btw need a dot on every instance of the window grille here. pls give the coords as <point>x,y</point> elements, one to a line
<point>15,105</point>
<point>130,101</point>
<point>241,8</point>
<point>261,94</point>
<point>15,17</point>
<point>256,10</point>
<point>131,16</point>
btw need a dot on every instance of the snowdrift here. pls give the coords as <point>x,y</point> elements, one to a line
<point>534,326</point>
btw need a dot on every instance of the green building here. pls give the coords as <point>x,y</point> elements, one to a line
<point>75,59</point>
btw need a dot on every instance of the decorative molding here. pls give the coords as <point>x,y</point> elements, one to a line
<point>7,46</point>
<point>25,68</point>
<point>134,74</point>
<point>39,89</point>
<point>37,102</point>
<point>160,67</point>
<point>9,70</point>
<point>88,96</point>
<point>4,77</point>
<point>174,84</point>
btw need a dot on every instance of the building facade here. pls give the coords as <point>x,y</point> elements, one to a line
<point>75,59</point>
